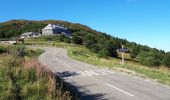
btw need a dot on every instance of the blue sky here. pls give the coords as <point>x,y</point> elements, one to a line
<point>142,21</point>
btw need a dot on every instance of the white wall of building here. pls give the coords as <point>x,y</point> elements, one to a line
<point>47,32</point>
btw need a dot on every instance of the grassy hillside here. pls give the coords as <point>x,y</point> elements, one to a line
<point>14,28</point>
<point>101,43</point>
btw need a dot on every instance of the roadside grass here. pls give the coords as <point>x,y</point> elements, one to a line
<point>81,53</point>
<point>85,55</point>
<point>26,78</point>
<point>33,53</point>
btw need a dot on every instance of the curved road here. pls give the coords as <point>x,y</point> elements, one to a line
<point>94,83</point>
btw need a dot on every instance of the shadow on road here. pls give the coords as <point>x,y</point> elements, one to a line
<point>66,74</point>
<point>74,89</point>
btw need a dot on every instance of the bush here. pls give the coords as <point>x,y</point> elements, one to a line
<point>134,51</point>
<point>62,37</point>
<point>92,46</point>
<point>31,75</point>
<point>166,60</point>
<point>77,40</point>
<point>3,49</point>
<point>103,53</point>
<point>67,40</point>
<point>95,48</point>
<point>55,38</point>
<point>33,53</point>
<point>109,47</point>
<point>150,58</point>
<point>88,44</point>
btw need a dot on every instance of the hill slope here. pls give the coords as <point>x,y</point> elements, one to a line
<point>14,28</point>
<point>103,44</point>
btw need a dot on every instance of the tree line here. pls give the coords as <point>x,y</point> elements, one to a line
<point>107,45</point>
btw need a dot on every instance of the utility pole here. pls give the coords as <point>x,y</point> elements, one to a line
<point>123,61</point>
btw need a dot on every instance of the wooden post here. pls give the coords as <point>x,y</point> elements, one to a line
<point>123,61</point>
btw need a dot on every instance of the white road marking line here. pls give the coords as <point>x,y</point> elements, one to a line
<point>88,73</point>
<point>95,72</point>
<point>92,72</point>
<point>101,71</point>
<point>107,71</point>
<point>82,73</point>
<point>119,89</point>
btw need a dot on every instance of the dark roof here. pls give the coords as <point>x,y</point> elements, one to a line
<point>125,50</point>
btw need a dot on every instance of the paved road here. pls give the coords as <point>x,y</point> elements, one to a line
<point>100,84</point>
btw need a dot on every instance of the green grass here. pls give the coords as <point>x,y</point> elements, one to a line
<point>81,53</point>
<point>26,78</point>
<point>33,53</point>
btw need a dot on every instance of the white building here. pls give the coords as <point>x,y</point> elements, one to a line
<point>30,34</point>
<point>52,29</point>
<point>8,42</point>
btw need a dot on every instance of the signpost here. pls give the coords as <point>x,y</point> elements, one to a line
<point>123,61</point>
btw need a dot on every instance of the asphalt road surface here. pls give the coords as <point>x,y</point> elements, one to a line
<point>94,83</point>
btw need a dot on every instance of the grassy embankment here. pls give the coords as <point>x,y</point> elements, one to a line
<point>24,78</point>
<point>79,52</point>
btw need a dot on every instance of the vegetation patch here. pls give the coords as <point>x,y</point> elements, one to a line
<point>162,76</point>
<point>3,49</point>
<point>26,79</point>
<point>33,53</point>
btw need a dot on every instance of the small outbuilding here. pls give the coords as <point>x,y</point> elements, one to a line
<point>8,42</point>
<point>29,34</point>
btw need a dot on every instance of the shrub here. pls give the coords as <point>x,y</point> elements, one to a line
<point>103,53</point>
<point>166,60</point>
<point>92,46</point>
<point>150,58</point>
<point>2,49</point>
<point>134,51</point>
<point>55,38</point>
<point>95,48</point>
<point>33,53</point>
<point>67,40</point>
<point>31,75</point>
<point>109,47</point>
<point>62,37</point>
<point>77,40</point>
